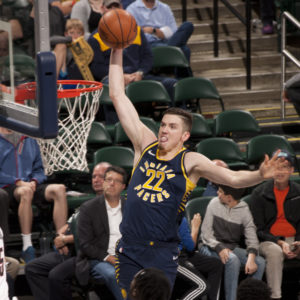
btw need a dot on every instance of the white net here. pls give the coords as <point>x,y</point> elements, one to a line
<point>75,116</point>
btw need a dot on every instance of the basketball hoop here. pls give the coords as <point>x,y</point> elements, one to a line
<point>78,103</point>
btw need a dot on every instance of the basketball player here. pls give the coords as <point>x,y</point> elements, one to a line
<point>3,283</point>
<point>164,175</point>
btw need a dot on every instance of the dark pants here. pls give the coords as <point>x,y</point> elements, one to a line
<point>133,257</point>
<point>4,206</point>
<point>203,272</point>
<point>50,276</point>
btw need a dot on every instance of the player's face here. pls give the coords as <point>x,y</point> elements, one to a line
<point>113,184</point>
<point>172,133</point>
<point>98,179</point>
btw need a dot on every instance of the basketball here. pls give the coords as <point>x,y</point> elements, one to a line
<point>117,28</point>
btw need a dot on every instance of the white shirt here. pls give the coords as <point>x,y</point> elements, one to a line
<point>3,283</point>
<point>114,220</point>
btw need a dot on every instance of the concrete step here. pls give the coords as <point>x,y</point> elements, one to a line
<point>235,79</point>
<point>232,43</point>
<point>201,63</point>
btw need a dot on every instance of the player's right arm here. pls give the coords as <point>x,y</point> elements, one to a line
<point>139,134</point>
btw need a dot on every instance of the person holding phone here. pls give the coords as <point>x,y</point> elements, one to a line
<point>275,207</point>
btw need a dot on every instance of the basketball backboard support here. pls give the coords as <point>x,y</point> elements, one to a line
<point>18,67</point>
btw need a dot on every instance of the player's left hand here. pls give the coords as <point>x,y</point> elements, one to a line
<point>273,166</point>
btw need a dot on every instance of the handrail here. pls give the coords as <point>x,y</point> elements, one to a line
<point>183,11</point>
<point>247,22</point>
<point>286,54</point>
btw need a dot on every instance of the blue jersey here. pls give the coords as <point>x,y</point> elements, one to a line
<point>156,197</point>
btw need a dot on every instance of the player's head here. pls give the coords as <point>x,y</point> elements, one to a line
<point>253,289</point>
<point>110,4</point>
<point>229,195</point>
<point>98,177</point>
<point>175,128</point>
<point>74,28</point>
<point>114,182</point>
<point>150,283</point>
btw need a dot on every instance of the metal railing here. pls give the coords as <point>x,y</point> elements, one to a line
<point>285,53</point>
<point>246,21</point>
<point>183,10</point>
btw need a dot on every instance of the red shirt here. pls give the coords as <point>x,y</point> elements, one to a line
<point>281,227</point>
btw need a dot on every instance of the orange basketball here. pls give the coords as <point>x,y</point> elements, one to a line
<point>117,28</point>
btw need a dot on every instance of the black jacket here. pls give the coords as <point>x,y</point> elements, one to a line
<point>264,209</point>
<point>93,235</point>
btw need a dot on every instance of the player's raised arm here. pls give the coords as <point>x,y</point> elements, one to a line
<point>139,134</point>
<point>198,166</point>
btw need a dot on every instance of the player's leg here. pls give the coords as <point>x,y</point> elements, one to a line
<point>57,194</point>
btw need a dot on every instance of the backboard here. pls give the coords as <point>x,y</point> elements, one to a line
<point>19,65</point>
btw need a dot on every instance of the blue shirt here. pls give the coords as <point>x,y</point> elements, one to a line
<point>184,233</point>
<point>160,15</point>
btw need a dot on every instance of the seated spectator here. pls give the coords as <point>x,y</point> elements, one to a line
<point>202,271</point>
<point>253,289</point>
<point>22,177</point>
<point>211,188</point>
<point>98,232</point>
<point>291,92</point>
<point>64,58</point>
<point>50,275</point>
<point>150,283</point>
<point>275,207</point>
<point>227,220</point>
<point>89,12</point>
<point>158,23</point>
<point>137,62</point>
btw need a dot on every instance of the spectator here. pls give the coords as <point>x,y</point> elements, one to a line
<point>194,265</point>
<point>227,220</point>
<point>211,188</point>
<point>291,91</point>
<point>253,289</point>
<point>89,12</point>
<point>150,283</point>
<point>275,207</point>
<point>22,177</point>
<point>137,63</point>
<point>158,22</point>
<point>98,232</point>
<point>50,275</point>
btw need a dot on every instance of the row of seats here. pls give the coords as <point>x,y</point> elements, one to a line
<point>186,90</point>
<point>214,148</point>
<point>225,123</point>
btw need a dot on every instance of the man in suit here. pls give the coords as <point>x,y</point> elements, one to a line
<point>98,232</point>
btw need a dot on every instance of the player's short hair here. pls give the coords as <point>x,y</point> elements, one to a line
<point>236,194</point>
<point>74,24</point>
<point>118,170</point>
<point>186,116</point>
<point>150,283</point>
<point>253,289</point>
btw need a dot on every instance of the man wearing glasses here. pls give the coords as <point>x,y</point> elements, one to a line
<point>98,232</point>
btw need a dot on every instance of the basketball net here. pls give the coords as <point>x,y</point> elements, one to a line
<point>77,107</point>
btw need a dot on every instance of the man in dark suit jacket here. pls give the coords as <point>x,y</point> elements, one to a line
<point>98,232</point>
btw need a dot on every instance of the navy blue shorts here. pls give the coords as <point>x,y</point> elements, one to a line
<point>132,257</point>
